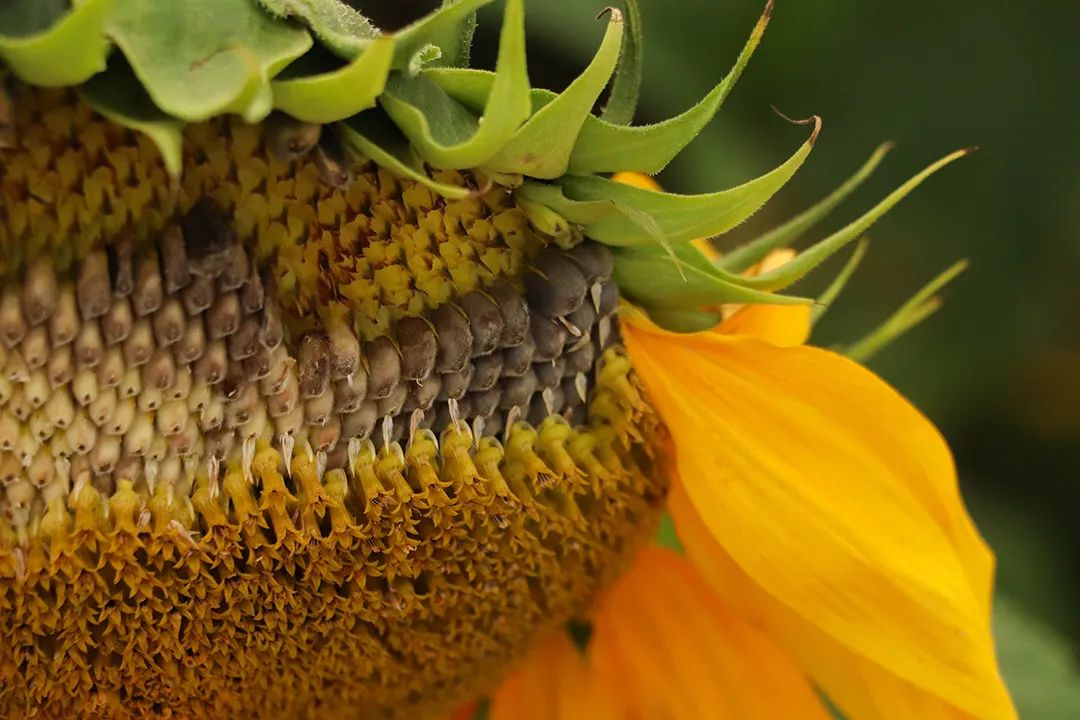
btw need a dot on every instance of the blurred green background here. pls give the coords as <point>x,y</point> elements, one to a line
<point>999,367</point>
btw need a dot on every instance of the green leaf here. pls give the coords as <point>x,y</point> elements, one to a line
<point>813,256</point>
<point>578,212</point>
<point>51,50</point>
<point>922,305</point>
<point>680,217</point>
<point>202,58</point>
<point>604,146</point>
<point>743,257</point>
<point>372,134</point>
<point>441,29</point>
<point>447,134</point>
<point>683,279</point>
<point>118,95</point>
<point>1040,668</point>
<point>626,86</point>
<point>667,536</point>
<point>541,147</point>
<point>828,297</point>
<point>336,95</point>
<point>340,29</point>
<point>455,42</point>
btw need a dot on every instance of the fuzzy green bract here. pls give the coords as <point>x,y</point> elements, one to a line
<point>409,101</point>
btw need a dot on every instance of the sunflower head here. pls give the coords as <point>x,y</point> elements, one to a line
<point>313,401</point>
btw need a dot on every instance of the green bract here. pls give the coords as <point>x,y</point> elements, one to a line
<point>408,101</point>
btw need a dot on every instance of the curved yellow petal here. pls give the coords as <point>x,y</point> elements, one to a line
<point>638,180</point>
<point>836,497</point>
<point>671,649</point>
<point>861,688</point>
<point>555,683</point>
<point>783,325</point>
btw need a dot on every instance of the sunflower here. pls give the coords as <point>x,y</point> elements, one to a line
<point>343,380</point>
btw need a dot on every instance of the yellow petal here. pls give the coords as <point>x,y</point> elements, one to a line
<point>836,497</point>
<point>861,688</point>
<point>783,325</point>
<point>668,646</point>
<point>638,180</point>
<point>554,684</point>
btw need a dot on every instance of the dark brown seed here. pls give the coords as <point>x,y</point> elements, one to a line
<point>174,259</point>
<point>582,359</point>
<point>549,338</point>
<point>549,374</point>
<point>594,260</point>
<point>40,291</point>
<point>609,299</point>
<point>92,287</point>
<point>12,323</point>
<point>583,318</point>
<point>383,367</point>
<point>271,332</point>
<point>313,364</point>
<point>361,423</point>
<point>245,341</point>
<point>348,396</point>
<point>464,406</point>
<point>64,323</point>
<point>484,403</point>
<point>253,295</point>
<point>211,367</point>
<point>258,365</point>
<point>89,347</point>
<point>422,395</point>
<point>139,345</point>
<point>517,390</point>
<point>344,351</point>
<point>555,286</point>
<point>454,338</point>
<point>485,321</point>
<point>493,424</point>
<point>392,403</point>
<point>455,385</point>
<point>223,317</point>
<point>160,371</point>
<point>288,138</point>
<point>515,313</point>
<point>169,323</point>
<point>123,266</point>
<point>418,346</point>
<point>234,274</point>
<point>208,238</point>
<point>517,359</point>
<point>198,295</point>
<point>116,323</point>
<point>486,371</point>
<point>192,345</point>
<point>147,293</point>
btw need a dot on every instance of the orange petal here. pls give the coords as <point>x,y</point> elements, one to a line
<point>670,649</point>
<point>554,684</point>
<point>638,180</point>
<point>783,325</point>
<point>836,497</point>
<point>862,689</point>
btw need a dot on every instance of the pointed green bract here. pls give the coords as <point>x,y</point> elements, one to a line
<point>67,51</point>
<point>445,132</point>
<point>336,95</point>
<point>203,58</point>
<point>681,217</point>
<point>813,256</point>
<point>652,277</point>
<point>434,36</point>
<point>372,135</point>
<point>922,305</point>
<point>118,96</point>
<point>579,212</point>
<point>828,297</point>
<point>541,147</point>
<point>339,28</point>
<point>626,85</point>
<point>746,255</point>
<point>604,146</point>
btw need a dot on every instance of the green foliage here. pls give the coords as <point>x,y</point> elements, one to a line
<point>46,44</point>
<point>341,29</point>
<point>1041,671</point>
<point>626,85</point>
<point>338,94</point>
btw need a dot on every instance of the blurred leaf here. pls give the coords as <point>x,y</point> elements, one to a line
<point>340,29</point>
<point>43,45</point>
<point>1040,669</point>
